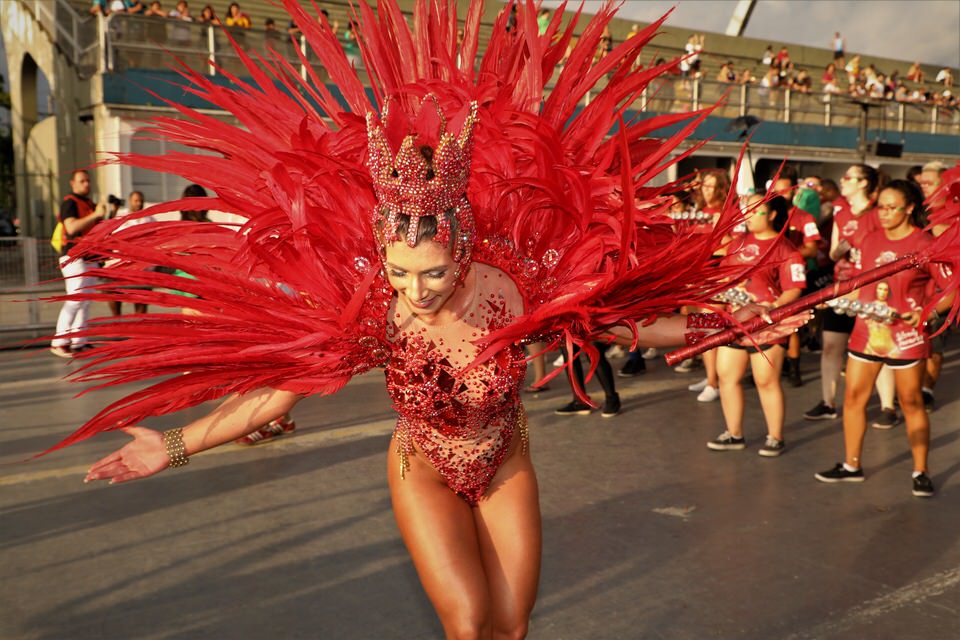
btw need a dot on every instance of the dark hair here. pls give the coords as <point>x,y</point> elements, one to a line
<point>427,228</point>
<point>871,175</point>
<point>779,209</point>
<point>194,215</point>
<point>913,172</point>
<point>789,173</point>
<point>913,196</point>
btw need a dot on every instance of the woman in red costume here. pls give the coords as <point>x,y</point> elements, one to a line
<point>472,215</point>
<point>898,302</point>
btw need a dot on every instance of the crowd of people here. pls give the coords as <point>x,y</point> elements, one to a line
<point>822,233</point>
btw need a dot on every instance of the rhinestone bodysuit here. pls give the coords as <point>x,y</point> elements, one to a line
<point>461,419</point>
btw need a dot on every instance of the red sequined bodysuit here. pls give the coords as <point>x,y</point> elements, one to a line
<point>462,421</point>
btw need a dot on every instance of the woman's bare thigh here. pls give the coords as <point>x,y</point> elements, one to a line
<point>439,530</point>
<point>509,531</point>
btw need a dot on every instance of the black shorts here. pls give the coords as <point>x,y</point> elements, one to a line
<point>893,363</point>
<point>750,348</point>
<point>838,323</point>
<point>938,344</point>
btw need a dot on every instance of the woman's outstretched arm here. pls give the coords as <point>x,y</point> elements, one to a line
<point>146,454</point>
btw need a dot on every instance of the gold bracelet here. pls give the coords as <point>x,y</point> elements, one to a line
<point>176,450</point>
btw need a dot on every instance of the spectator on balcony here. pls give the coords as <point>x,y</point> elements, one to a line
<point>770,80</point>
<point>945,77</point>
<point>208,16</point>
<point>803,82</point>
<point>127,6</point>
<point>853,70</point>
<point>768,56</point>
<point>746,76</point>
<point>237,18</point>
<point>155,10</point>
<point>180,33</point>
<point>838,46</point>
<point>726,73</point>
<point>915,73</point>
<point>829,74</point>
<point>271,35</point>
<point>877,86</point>
<point>690,65</point>
<point>783,57</point>
<point>99,8</point>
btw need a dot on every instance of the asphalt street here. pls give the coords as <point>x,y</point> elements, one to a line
<point>647,534</point>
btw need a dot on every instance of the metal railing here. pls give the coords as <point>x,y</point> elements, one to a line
<point>26,267</point>
<point>675,94</point>
<point>140,42</point>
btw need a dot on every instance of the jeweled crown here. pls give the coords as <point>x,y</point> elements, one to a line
<point>413,184</point>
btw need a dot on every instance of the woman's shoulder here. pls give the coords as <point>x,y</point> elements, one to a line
<point>492,281</point>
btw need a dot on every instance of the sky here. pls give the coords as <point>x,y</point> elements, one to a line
<point>924,30</point>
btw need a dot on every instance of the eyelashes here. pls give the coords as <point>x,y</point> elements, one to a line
<point>435,275</point>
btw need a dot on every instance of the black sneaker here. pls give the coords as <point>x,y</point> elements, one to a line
<point>575,408</point>
<point>822,411</point>
<point>633,367</point>
<point>840,474</point>
<point>611,406</point>
<point>922,486</point>
<point>727,442</point>
<point>772,447</point>
<point>887,419</point>
<point>928,402</point>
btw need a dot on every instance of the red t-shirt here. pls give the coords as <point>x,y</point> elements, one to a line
<point>803,227</point>
<point>853,229</point>
<point>786,271</point>
<point>904,292</point>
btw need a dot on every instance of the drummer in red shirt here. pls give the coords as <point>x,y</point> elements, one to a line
<point>774,286</point>
<point>803,233</point>
<point>892,335</point>
<point>853,214</point>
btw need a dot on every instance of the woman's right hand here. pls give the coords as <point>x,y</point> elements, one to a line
<point>143,457</point>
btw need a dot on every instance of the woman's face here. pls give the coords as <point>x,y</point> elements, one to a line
<point>757,215</point>
<point>423,276</point>
<point>883,291</point>
<point>892,209</point>
<point>851,183</point>
<point>708,188</point>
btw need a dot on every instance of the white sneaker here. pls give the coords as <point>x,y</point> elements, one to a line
<point>616,351</point>
<point>709,394</point>
<point>684,367</point>
<point>559,361</point>
<point>650,354</point>
<point>698,386</point>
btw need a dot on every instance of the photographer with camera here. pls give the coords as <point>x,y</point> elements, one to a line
<point>78,214</point>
